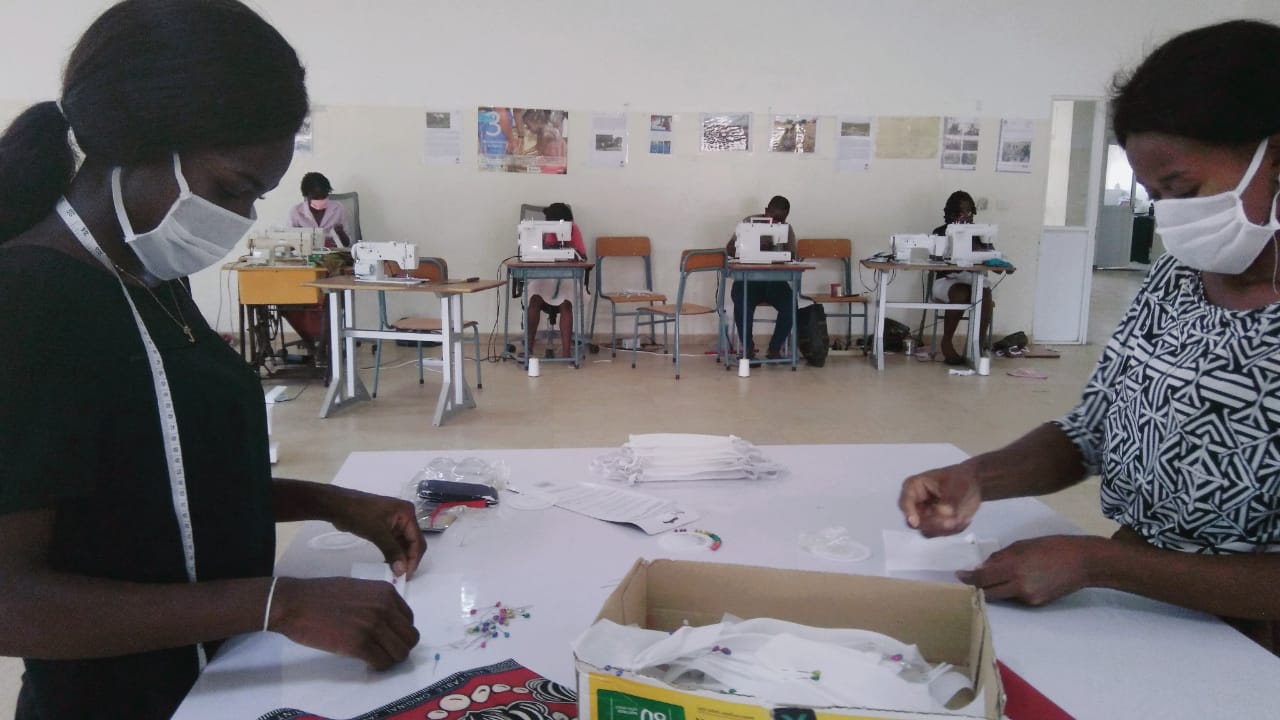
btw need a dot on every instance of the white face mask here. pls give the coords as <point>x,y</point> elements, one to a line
<point>193,235</point>
<point>1212,233</point>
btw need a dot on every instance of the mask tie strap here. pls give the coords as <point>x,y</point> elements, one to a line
<point>117,197</point>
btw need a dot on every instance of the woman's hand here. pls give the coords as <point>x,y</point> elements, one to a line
<point>387,522</point>
<point>364,619</point>
<point>1036,571</point>
<point>942,501</point>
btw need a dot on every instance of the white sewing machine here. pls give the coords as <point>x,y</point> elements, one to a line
<point>287,244</point>
<point>972,244</point>
<point>370,259</point>
<point>545,240</point>
<point>908,247</point>
<point>762,241</point>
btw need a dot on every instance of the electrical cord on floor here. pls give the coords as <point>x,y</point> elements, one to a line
<point>497,316</point>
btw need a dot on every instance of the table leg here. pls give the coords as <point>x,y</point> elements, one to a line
<point>795,331</point>
<point>975,320</point>
<point>341,319</point>
<point>882,298</point>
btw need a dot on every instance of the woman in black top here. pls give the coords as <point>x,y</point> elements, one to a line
<point>136,534</point>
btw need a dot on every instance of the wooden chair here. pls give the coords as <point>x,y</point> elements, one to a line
<point>432,269</point>
<point>691,262</point>
<point>841,249</point>
<point>621,247</point>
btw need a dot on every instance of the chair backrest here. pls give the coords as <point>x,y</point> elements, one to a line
<point>429,268</point>
<point>810,248</point>
<point>350,202</point>
<point>617,246</point>
<point>698,260</point>
<point>532,212</point>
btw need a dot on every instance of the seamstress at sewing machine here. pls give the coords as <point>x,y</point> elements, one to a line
<point>546,295</point>
<point>775,293</point>
<point>956,287</point>
<point>315,210</point>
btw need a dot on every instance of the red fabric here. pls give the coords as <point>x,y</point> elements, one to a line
<point>1024,702</point>
<point>497,692</point>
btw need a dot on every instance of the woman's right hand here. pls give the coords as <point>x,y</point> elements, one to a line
<point>941,501</point>
<point>365,619</point>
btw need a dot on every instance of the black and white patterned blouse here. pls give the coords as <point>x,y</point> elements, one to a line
<point>1182,419</point>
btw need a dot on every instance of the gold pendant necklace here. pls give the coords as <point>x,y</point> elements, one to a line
<point>186,328</point>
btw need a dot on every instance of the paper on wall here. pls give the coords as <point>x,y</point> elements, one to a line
<point>855,143</point>
<point>443,139</point>
<point>608,140</point>
<point>1015,146</point>
<point>960,137</point>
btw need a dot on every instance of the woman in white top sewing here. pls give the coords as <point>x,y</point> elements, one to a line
<point>555,296</point>
<point>315,211</point>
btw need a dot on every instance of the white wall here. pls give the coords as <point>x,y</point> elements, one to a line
<point>374,68</point>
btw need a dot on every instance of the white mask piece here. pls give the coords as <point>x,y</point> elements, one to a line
<point>193,235</point>
<point>1212,233</point>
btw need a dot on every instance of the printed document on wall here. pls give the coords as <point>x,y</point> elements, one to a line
<point>523,140</point>
<point>443,139</point>
<point>794,134</point>
<point>1016,137</point>
<point>907,138</point>
<point>660,133</point>
<point>726,132</point>
<point>960,143</point>
<point>609,140</point>
<point>304,140</point>
<point>855,143</point>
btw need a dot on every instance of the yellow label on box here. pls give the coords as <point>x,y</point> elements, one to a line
<point>615,698</point>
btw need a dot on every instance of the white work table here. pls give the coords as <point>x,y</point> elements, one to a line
<point>1097,653</point>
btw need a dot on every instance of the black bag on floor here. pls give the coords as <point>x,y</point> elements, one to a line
<point>811,334</point>
<point>895,335</point>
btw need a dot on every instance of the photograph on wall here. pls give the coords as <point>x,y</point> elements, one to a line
<point>907,138</point>
<point>854,144</point>
<point>1016,137</point>
<point>303,140</point>
<point>523,140</point>
<point>442,140</point>
<point>660,134</point>
<point>793,134</point>
<point>726,132</point>
<point>960,143</point>
<point>609,140</point>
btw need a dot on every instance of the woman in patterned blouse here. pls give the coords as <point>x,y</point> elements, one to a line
<point>1181,417</point>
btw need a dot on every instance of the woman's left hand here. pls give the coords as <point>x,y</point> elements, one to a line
<point>1036,571</point>
<point>387,522</point>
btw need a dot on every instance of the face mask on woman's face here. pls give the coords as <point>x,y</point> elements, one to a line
<point>1212,233</point>
<point>319,204</point>
<point>193,235</point>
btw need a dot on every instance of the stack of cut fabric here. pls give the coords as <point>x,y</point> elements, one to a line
<point>669,457</point>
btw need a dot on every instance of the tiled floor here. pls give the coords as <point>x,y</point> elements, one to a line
<point>845,402</point>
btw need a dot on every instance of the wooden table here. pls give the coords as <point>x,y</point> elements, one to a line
<point>279,287</point>
<point>345,386</point>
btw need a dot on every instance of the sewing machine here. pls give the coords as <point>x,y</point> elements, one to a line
<point>908,247</point>
<point>285,244</point>
<point>545,241</point>
<point>762,241</point>
<point>370,259</point>
<point>972,244</point>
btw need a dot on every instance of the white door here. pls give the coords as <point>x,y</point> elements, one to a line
<point>1065,259</point>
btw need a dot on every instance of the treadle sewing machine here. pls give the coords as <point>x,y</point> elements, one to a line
<point>371,258</point>
<point>545,241</point>
<point>762,241</point>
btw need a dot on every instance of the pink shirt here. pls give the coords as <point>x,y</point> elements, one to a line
<point>300,216</point>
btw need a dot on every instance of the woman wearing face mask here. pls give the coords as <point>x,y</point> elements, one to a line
<point>137,507</point>
<point>317,211</point>
<point>1182,415</point>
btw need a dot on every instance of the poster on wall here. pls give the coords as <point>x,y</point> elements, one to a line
<point>907,138</point>
<point>609,140</point>
<point>523,140</point>
<point>726,132</point>
<point>660,134</point>
<point>303,139</point>
<point>1015,146</point>
<point>794,134</point>
<point>443,139</point>
<point>960,143</point>
<point>854,144</point>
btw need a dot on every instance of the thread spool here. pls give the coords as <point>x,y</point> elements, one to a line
<point>535,367</point>
<point>744,368</point>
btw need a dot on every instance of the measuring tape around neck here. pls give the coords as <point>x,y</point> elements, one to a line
<point>164,402</point>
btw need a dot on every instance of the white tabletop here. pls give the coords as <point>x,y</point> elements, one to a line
<point>1097,653</point>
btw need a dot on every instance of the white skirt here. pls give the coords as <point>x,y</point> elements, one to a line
<point>553,292</point>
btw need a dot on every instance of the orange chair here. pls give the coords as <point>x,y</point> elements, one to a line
<point>432,269</point>
<point>810,249</point>
<point>635,247</point>
<point>691,262</point>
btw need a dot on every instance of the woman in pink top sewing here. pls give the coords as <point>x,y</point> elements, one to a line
<point>315,210</point>
<point>549,296</point>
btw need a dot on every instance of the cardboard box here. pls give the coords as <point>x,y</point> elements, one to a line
<point>947,622</point>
